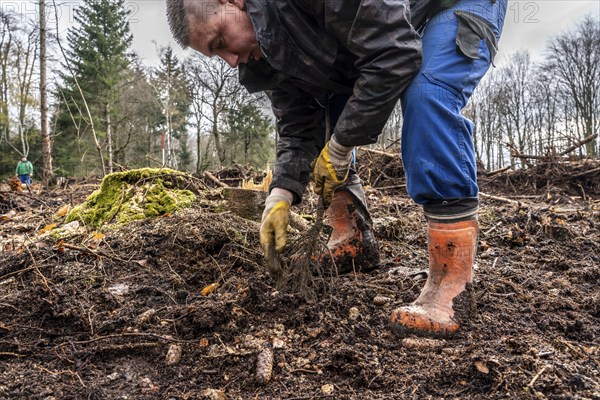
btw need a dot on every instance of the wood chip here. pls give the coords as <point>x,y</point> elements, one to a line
<point>174,354</point>
<point>327,389</point>
<point>482,367</point>
<point>381,300</point>
<point>264,364</point>
<point>353,313</point>
<point>422,343</point>
<point>146,316</point>
<point>214,394</point>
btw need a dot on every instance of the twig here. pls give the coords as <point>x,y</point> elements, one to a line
<point>67,372</point>
<point>34,267</point>
<point>536,377</point>
<point>379,152</point>
<point>591,171</point>
<point>8,354</point>
<point>122,335</point>
<point>390,187</point>
<point>215,180</point>
<point>119,206</point>
<point>497,172</point>
<point>32,198</point>
<point>498,198</point>
<point>493,228</point>
<point>98,254</point>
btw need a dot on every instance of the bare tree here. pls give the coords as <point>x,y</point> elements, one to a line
<point>573,58</point>
<point>515,100</point>
<point>7,29</point>
<point>220,88</point>
<point>484,111</point>
<point>45,128</point>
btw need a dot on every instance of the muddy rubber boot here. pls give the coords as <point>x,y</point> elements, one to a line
<point>351,246</point>
<point>452,249</point>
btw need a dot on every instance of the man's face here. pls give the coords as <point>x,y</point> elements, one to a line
<point>227,33</point>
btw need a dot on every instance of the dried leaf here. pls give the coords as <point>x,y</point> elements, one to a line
<point>9,215</point>
<point>482,367</point>
<point>47,228</point>
<point>203,343</point>
<point>97,236</point>
<point>64,210</point>
<point>209,289</point>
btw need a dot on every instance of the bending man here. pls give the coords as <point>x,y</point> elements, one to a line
<point>356,58</point>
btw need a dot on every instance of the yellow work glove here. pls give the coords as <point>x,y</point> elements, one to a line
<point>275,219</point>
<point>331,169</point>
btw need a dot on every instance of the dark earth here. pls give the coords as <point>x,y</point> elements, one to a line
<point>93,316</point>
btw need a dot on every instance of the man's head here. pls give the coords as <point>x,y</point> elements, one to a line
<point>214,28</point>
<point>24,159</point>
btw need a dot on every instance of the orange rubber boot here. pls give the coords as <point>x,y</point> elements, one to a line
<point>452,249</point>
<point>351,246</point>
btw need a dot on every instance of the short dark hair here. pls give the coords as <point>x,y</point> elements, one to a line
<point>179,22</point>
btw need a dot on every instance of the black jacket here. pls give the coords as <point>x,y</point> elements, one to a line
<point>367,49</point>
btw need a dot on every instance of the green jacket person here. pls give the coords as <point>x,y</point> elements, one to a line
<point>24,171</point>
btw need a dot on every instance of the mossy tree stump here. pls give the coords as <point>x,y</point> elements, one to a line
<point>135,194</point>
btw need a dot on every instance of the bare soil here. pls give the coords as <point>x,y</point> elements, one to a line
<point>92,317</point>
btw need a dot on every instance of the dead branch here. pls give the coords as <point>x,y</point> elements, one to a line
<point>578,144</point>
<point>591,171</point>
<point>497,172</point>
<point>390,187</point>
<point>96,253</point>
<point>498,198</point>
<point>215,180</point>
<point>379,152</point>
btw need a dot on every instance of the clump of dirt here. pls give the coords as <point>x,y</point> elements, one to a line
<point>95,316</point>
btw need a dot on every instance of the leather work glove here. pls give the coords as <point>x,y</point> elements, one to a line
<point>275,219</point>
<point>331,169</point>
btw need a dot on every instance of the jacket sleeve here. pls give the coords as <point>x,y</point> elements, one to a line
<point>388,52</point>
<point>300,141</point>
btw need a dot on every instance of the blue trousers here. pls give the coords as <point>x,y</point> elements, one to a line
<point>25,179</point>
<point>437,143</point>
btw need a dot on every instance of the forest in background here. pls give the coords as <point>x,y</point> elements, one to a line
<point>107,111</point>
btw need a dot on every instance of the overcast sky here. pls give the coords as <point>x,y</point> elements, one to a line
<point>529,23</point>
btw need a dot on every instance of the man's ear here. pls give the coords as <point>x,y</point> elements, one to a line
<point>237,3</point>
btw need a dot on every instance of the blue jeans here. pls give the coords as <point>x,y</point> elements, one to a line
<point>25,179</point>
<point>437,143</point>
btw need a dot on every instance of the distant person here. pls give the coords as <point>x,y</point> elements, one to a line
<point>24,172</point>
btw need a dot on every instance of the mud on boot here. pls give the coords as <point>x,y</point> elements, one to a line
<point>352,245</point>
<point>447,297</point>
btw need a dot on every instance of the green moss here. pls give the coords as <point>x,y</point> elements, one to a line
<point>132,195</point>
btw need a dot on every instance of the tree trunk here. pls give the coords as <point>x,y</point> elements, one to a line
<point>217,136</point>
<point>47,171</point>
<point>198,146</point>
<point>109,142</point>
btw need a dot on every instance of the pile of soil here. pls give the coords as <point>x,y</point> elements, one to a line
<point>107,316</point>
